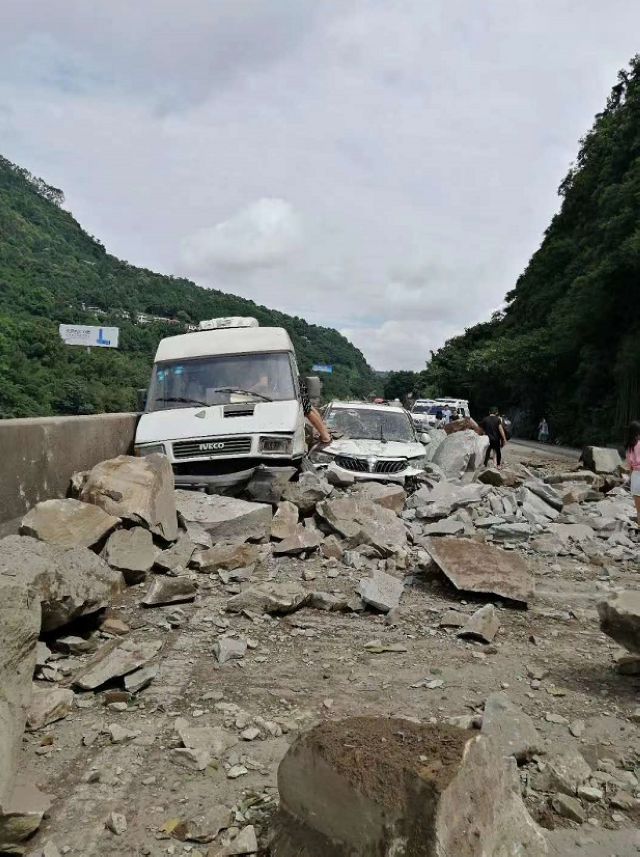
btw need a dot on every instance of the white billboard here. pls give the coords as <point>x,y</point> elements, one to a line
<point>89,335</point>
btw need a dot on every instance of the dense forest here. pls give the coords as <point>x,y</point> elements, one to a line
<point>567,345</point>
<point>51,271</point>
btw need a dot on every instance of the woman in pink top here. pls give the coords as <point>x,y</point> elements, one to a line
<point>633,460</point>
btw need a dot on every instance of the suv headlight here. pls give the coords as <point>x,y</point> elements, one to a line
<point>276,445</point>
<point>150,449</point>
<point>319,456</point>
<point>420,462</point>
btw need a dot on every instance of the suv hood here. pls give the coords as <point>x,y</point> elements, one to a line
<point>184,423</point>
<point>375,448</point>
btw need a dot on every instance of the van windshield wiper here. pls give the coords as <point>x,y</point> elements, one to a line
<point>240,390</point>
<point>180,399</point>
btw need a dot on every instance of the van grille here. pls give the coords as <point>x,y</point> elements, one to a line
<point>210,447</point>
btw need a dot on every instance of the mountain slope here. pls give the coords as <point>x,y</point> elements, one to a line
<point>51,271</point>
<point>568,343</point>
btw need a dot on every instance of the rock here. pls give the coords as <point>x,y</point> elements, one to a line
<point>601,460</point>
<point>458,453</point>
<point>118,734</point>
<point>244,843</point>
<point>266,485</point>
<point>177,556</point>
<point>392,497</point>
<point>510,728</point>
<point>534,504</point>
<point>169,590</point>
<point>269,598</point>
<point>482,625</point>
<point>115,659</point>
<point>304,539</point>
<point>628,665</point>
<point>19,629</point>
<point>140,678</point>
<point>285,520</point>
<point>117,823</point>
<point>68,523</point>
<point>140,490</point>
<point>365,786</point>
<point>69,582</point>
<point>567,770</point>
<point>72,645</point>
<point>307,492</point>
<point>381,591</point>
<point>623,800</point>
<point>225,518</point>
<point>577,727</point>
<point>568,807</point>
<point>212,739</point>
<point>226,556</point>
<point>477,567</point>
<point>227,649</point>
<point>328,601</point>
<point>620,619</point>
<point>590,794</point>
<point>445,498</point>
<point>453,619</point>
<point>545,492</point>
<point>194,760</point>
<point>132,552</point>
<point>47,706</point>
<point>114,626</point>
<point>21,813</point>
<point>507,532</point>
<point>446,527</point>
<point>505,477</point>
<point>362,522</point>
<point>339,478</point>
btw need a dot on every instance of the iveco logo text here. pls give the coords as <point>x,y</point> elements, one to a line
<point>211,447</point>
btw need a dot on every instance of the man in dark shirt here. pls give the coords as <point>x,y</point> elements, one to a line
<point>494,430</point>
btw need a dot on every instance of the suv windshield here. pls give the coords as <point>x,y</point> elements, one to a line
<point>218,380</point>
<point>369,424</point>
<point>421,409</point>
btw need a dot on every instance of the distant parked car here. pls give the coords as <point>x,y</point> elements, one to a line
<point>372,441</point>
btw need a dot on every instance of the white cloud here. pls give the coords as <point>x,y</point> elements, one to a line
<point>386,168</point>
<point>262,235</point>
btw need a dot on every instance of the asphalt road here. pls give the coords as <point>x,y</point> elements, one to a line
<point>549,449</point>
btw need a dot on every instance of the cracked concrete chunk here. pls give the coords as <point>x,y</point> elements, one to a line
<point>225,518</point>
<point>140,490</point>
<point>117,658</point>
<point>381,591</point>
<point>68,523</point>
<point>169,590</point>
<point>477,567</point>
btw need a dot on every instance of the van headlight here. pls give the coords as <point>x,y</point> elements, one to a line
<point>276,445</point>
<point>150,449</point>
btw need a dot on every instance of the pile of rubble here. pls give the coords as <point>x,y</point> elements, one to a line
<point>127,530</point>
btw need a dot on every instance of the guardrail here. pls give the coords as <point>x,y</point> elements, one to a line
<point>38,456</point>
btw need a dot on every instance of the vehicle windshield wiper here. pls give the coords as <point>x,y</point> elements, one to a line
<point>240,390</point>
<point>181,399</point>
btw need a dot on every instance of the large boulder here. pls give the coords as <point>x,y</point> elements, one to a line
<point>225,518</point>
<point>444,498</point>
<point>460,452</point>
<point>68,582</point>
<point>620,619</point>
<point>308,491</point>
<point>19,630</point>
<point>510,728</point>
<point>68,523</point>
<point>601,460</point>
<point>136,489</point>
<point>362,522</point>
<point>391,497</point>
<point>132,552</point>
<point>367,785</point>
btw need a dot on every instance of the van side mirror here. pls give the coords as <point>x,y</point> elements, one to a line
<point>141,399</point>
<point>314,386</point>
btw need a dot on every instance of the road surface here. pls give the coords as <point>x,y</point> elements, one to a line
<point>549,449</point>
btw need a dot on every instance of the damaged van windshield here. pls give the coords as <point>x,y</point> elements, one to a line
<point>218,380</point>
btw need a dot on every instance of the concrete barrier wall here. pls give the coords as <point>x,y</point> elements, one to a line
<point>38,456</point>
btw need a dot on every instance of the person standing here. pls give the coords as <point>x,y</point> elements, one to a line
<point>543,431</point>
<point>446,414</point>
<point>492,427</point>
<point>633,460</point>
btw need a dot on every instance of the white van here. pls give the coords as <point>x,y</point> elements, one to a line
<point>222,401</point>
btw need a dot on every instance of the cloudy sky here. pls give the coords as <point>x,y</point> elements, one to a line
<point>386,167</point>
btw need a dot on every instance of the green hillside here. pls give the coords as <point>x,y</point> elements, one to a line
<point>568,343</point>
<point>51,271</point>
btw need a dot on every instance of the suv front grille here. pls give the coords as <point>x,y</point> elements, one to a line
<point>212,447</point>
<point>361,465</point>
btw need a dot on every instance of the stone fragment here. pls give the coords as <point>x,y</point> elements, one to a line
<point>169,590</point>
<point>331,548</point>
<point>620,619</point>
<point>118,734</point>
<point>132,552</point>
<point>391,497</point>
<point>307,492</point>
<point>302,540</point>
<point>266,485</point>
<point>477,567</point>
<point>591,794</point>
<point>512,532</point>
<point>227,649</point>
<point>328,601</point>
<point>445,527</point>
<point>72,645</point>
<point>269,598</point>
<point>505,477</point>
<point>568,807</point>
<point>545,492</point>
<point>47,706</point>
<point>245,842</point>
<point>177,556</point>
<point>212,739</point>
<point>225,556</point>
<point>140,490</point>
<point>439,501</point>
<point>225,518</point>
<point>510,728</point>
<point>285,520</point>
<point>19,629</point>
<point>453,619</point>
<point>624,801</point>
<point>362,522</point>
<point>117,823</point>
<point>68,582</point>
<point>194,760</point>
<point>140,678</point>
<point>68,523</point>
<point>567,770</point>
<point>381,591</point>
<point>115,659</point>
<point>365,786</point>
<point>483,625</point>
<point>601,460</point>
<point>21,813</point>
<point>114,626</point>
